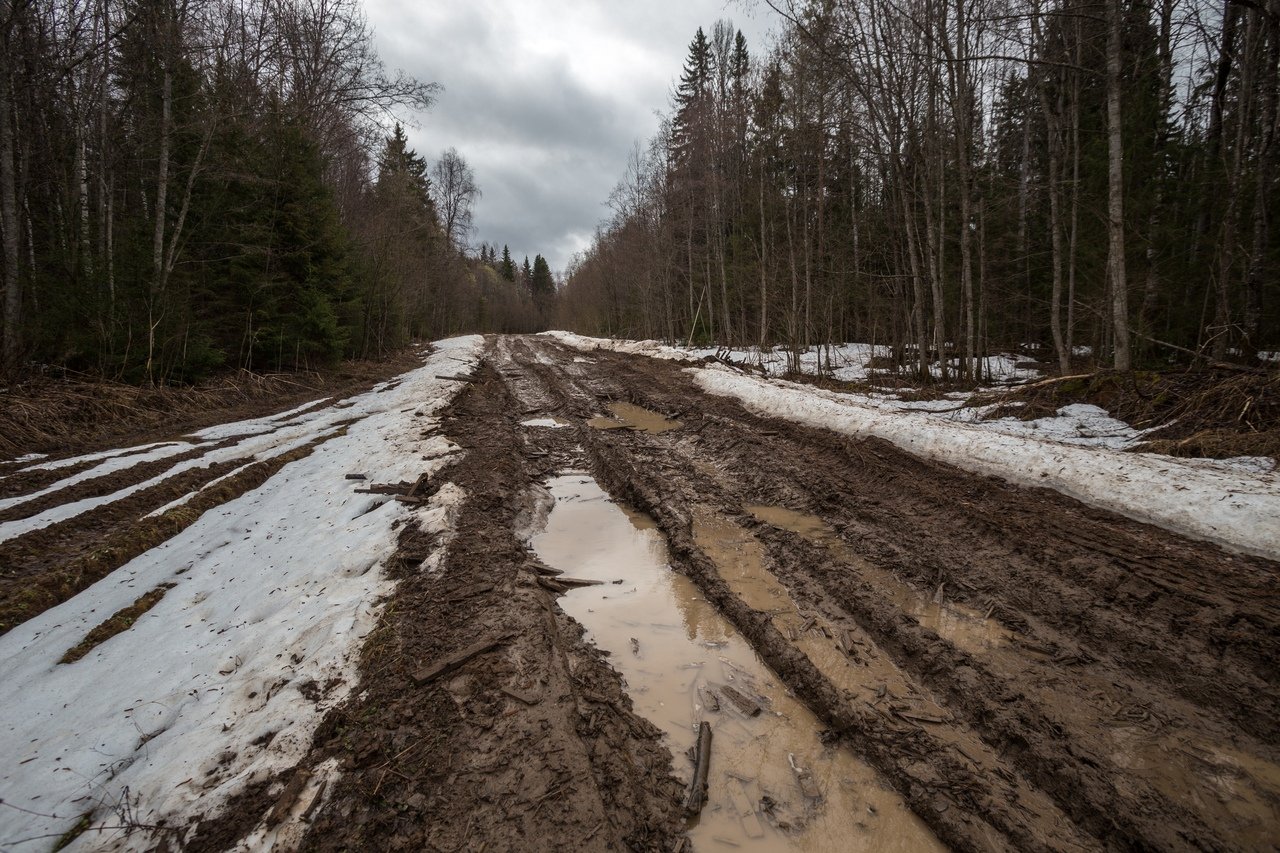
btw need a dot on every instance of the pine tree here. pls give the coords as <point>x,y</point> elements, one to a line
<point>508,267</point>
<point>543,285</point>
<point>693,97</point>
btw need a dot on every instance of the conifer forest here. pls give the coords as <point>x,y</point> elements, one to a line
<point>192,186</point>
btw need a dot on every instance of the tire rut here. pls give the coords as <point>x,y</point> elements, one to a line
<point>1086,665</point>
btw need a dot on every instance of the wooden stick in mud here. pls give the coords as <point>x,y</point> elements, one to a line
<point>745,704</point>
<point>575,582</point>
<point>696,797</point>
<point>452,662</point>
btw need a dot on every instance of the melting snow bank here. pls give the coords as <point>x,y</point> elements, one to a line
<point>846,362</point>
<point>221,684</point>
<point>1202,498</point>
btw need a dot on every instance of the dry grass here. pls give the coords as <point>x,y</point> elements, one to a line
<point>120,622</point>
<point>1209,413</point>
<point>54,415</point>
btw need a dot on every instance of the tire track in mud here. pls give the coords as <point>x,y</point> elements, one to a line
<point>531,744</point>
<point>940,783</point>
<point>1086,664</point>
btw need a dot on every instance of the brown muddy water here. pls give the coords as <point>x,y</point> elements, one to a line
<point>773,784</point>
<point>1237,792</point>
<point>630,416</point>
<point>962,626</point>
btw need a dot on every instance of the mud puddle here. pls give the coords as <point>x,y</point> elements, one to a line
<point>964,627</point>
<point>1237,792</point>
<point>772,784</point>
<point>848,657</point>
<point>630,416</point>
<point>842,653</point>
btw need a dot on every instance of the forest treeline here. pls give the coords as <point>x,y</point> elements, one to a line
<point>195,185</point>
<point>957,175</point>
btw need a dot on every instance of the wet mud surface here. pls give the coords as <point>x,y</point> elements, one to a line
<point>891,654</point>
<point>1024,671</point>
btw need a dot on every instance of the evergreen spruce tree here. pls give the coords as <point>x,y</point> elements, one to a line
<point>693,97</point>
<point>542,284</point>
<point>508,267</point>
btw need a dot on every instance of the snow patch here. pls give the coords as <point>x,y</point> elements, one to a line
<point>848,362</point>
<point>223,682</point>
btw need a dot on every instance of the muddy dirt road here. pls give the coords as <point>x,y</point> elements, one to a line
<point>940,659</point>
<point>887,653</point>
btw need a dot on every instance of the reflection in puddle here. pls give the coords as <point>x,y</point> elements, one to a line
<point>773,784</point>
<point>629,416</point>
<point>964,627</point>
<point>548,423</point>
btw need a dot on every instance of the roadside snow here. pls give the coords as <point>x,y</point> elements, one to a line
<point>255,440</point>
<point>55,464</point>
<point>30,457</point>
<point>223,682</point>
<point>848,362</point>
<point>1228,505</point>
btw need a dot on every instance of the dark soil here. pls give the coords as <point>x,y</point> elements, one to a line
<point>530,745</point>
<point>1117,625</point>
<point>65,417</point>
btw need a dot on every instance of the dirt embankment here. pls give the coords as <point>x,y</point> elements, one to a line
<point>1215,412</point>
<point>72,416</point>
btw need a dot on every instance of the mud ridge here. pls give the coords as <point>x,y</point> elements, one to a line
<point>532,744</point>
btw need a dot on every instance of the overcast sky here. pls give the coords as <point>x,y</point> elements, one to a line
<point>544,98</point>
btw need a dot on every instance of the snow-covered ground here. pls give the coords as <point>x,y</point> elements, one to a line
<point>223,682</point>
<point>847,362</point>
<point>1079,452</point>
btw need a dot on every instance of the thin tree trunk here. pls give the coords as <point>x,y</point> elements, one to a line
<point>158,281</point>
<point>1265,177</point>
<point>1053,125</point>
<point>764,274</point>
<point>12,352</point>
<point>1115,193</point>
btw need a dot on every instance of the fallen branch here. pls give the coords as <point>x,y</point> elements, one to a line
<point>696,797</point>
<point>745,704</point>
<point>457,659</point>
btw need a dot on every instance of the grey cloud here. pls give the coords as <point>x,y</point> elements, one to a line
<point>544,99</point>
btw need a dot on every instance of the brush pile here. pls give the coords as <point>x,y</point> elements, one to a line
<point>1214,413</point>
